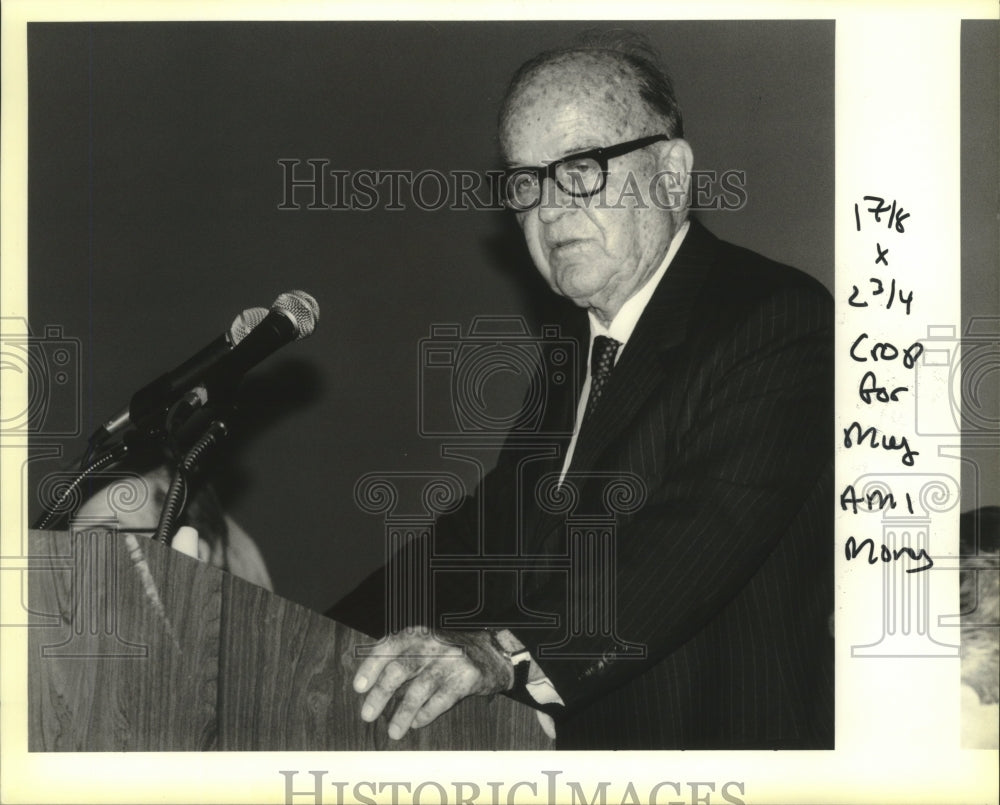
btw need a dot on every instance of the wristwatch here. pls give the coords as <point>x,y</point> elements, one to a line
<point>518,656</point>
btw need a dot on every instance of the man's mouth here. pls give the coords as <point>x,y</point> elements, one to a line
<point>564,243</point>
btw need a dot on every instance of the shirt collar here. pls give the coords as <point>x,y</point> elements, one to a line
<point>624,322</point>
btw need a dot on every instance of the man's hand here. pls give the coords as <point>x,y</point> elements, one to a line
<point>441,668</point>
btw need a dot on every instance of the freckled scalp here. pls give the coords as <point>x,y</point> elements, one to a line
<point>618,71</point>
<point>584,79</point>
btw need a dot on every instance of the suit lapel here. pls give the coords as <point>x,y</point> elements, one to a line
<point>641,368</point>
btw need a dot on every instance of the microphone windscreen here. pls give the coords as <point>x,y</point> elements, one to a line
<point>302,308</point>
<point>244,323</point>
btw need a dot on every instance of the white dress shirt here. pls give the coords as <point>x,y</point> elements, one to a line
<point>620,329</point>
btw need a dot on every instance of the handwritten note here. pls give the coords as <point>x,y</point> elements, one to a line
<point>885,365</point>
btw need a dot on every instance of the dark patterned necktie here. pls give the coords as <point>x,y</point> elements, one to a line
<point>602,361</point>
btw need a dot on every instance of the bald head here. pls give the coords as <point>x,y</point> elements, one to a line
<point>619,65</point>
<point>582,79</point>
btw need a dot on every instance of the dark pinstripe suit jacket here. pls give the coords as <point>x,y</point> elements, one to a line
<point>722,406</point>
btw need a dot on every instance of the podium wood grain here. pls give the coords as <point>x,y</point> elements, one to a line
<point>191,658</point>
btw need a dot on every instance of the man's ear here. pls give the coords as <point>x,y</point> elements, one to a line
<point>674,159</point>
<point>673,175</point>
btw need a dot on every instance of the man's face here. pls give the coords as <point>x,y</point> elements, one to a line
<point>597,251</point>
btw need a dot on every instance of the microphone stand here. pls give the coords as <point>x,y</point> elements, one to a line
<point>110,457</point>
<point>185,425</point>
<point>173,506</point>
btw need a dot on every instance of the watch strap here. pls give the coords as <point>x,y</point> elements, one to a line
<point>519,658</point>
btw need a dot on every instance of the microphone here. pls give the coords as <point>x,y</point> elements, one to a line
<point>218,367</point>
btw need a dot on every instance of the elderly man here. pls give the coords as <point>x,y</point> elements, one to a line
<point>710,384</point>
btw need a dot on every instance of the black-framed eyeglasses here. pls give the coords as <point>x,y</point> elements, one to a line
<point>578,175</point>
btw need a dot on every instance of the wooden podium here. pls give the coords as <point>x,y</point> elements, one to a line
<point>136,647</point>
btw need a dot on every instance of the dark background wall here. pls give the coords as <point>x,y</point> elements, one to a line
<point>980,263</point>
<point>154,219</point>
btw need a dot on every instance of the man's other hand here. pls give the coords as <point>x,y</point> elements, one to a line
<point>438,669</point>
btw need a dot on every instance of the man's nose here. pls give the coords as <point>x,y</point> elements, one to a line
<point>554,201</point>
